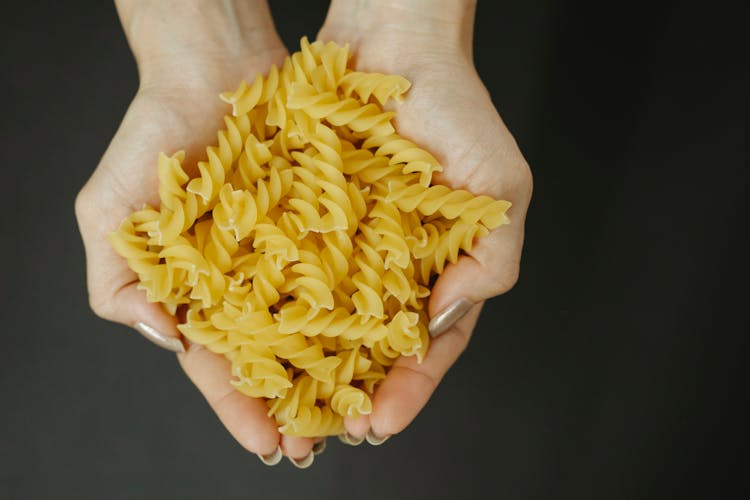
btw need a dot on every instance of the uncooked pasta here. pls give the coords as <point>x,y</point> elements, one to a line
<point>303,247</point>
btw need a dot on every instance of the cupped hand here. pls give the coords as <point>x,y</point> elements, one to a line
<point>448,111</point>
<point>186,54</point>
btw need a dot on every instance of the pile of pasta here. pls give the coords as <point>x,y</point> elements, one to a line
<point>304,246</point>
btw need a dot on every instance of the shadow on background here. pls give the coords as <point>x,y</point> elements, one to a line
<point>610,371</point>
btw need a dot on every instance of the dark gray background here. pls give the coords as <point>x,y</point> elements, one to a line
<point>612,370</point>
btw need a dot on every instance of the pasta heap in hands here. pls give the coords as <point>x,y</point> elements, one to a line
<point>303,248</point>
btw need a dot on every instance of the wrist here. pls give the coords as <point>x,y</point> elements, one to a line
<point>185,40</point>
<point>449,24</point>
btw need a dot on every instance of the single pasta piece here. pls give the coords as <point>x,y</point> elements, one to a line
<point>304,247</point>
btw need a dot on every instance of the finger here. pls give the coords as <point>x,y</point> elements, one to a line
<point>113,290</point>
<point>356,428</point>
<point>320,445</point>
<point>129,306</point>
<point>296,447</point>
<point>245,418</point>
<point>409,385</point>
<point>491,268</point>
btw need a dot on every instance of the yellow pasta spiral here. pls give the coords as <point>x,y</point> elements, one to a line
<point>303,247</point>
<point>382,87</point>
<point>303,354</point>
<point>451,204</point>
<point>258,372</point>
<point>203,332</point>
<point>314,421</point>
<point>247,97</point>
<point>350,401</point>
<point>360,118</point>
<point>133,244</point>
<point>406,155</point>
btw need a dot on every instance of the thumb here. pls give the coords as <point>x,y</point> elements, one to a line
<point>113,288</point>
<point>491,268</point>
<point>130,307</point>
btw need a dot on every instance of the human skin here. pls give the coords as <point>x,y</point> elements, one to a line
<point>449,112</point>
<point>187,52</point>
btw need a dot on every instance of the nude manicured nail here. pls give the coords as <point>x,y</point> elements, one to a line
<point>273,458</point>
<point>303,463</point>
<point>446,318</point>
<point>374,439</point>
<point>169,343</point>
<point>319,448</point>
<point>347,438</point>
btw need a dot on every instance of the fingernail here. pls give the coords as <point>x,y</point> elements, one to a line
<point>446,318</point>
<point>319,448</point>
<point>169,343</point>
<point>374,439</point>
<point>347,438</point>
<point>303,463</point>
<point>272,458</point>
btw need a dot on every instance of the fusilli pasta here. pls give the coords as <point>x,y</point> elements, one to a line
<point>304,247</point>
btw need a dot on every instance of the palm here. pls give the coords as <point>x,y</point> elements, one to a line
<point>168,118</point>
<point>448,111</point>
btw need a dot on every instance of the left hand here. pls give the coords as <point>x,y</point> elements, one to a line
<point>449,112</point>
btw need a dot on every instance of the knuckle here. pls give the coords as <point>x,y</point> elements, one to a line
<point>101,307</point>
<point>505,278</point>
<point>523,179</point>
<point>82,204</point>
<point>526,178</point>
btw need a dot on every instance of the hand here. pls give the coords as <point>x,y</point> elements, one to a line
<point>187,53</point>
<point>448,111</point>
